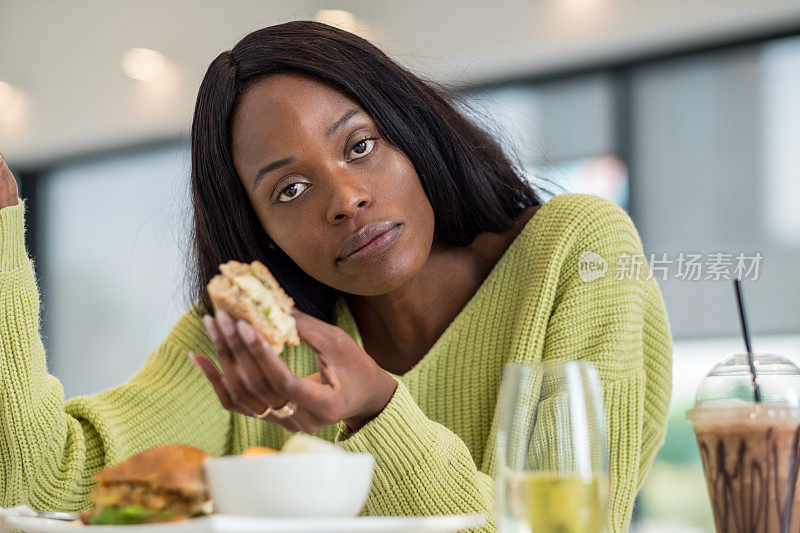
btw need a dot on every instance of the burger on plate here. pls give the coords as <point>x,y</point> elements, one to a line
<point>160,484</point>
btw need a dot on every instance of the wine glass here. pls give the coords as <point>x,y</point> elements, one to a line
<point>552,462</point>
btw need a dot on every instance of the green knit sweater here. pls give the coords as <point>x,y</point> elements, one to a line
<point>433,443</point>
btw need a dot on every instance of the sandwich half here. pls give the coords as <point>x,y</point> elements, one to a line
<point>160,484</point>
<point>251,293</point>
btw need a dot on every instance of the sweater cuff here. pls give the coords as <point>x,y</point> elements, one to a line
<point>399,437</point>
<point>12,236</point>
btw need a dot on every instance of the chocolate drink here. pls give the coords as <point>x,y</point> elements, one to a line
<point>751,456</point>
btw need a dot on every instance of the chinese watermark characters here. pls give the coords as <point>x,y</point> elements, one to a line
<point>714,266</point>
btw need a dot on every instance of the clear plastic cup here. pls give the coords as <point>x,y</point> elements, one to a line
<point>750,451</point>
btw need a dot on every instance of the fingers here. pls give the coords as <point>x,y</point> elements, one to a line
<point>221,389</point>
<point>217,382</point>
<point>222,332</point>
<point>261,358</point>
<point>251,366</point>
<point>289,424</point>
<point>253,377</point>
<point>278,377</point>
<point>302,420</point>
<point>309,422</point>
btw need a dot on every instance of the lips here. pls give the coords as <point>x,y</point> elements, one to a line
<point>364,236</point>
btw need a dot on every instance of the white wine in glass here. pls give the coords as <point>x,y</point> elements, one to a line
<point>552,465</point>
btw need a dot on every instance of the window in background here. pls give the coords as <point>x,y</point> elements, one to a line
<point>780,139</point>
<point>605,176</point>
<point>115,237</point>
<point>716,170</point>
<point>560,134</point>
<point>709,168</point>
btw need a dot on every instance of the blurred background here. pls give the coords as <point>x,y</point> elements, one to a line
<point>685,113</point>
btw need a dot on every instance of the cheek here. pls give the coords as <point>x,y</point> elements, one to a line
<point>306,245</point>
<point>416,205</point>
<point>301,244</point>
<point>401,186</point>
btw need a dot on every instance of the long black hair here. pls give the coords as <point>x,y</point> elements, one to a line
<point>470,183</point>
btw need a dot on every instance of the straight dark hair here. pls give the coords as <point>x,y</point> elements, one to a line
<point>470,183</point>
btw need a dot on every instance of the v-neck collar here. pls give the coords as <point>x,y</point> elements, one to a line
<point>346,321</point>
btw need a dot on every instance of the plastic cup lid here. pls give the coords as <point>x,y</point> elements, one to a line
<point>729,384</point>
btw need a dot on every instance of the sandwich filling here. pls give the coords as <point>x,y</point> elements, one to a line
<point>250,292</point>
<point>159,484</point>
<point>261,294</point>
<point>121,495</point>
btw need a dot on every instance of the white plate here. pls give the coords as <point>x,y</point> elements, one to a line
<point>244,524</point>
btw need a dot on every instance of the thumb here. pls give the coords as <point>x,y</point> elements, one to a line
<point>319,378</point>
<point>313,331</point>
<point>325,373</point>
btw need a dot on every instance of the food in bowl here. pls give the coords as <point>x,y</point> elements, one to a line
<point>259,450</point>
<point>302,443</point>
<point>160,484</point>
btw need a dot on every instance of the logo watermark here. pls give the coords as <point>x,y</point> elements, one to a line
<point>591,266</point>
<point>685,266</point>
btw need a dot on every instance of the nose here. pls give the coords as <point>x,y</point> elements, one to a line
<point>349,195</point>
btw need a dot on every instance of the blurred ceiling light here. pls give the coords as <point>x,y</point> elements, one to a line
<point>13,108</point>
<point>6,96</point>
<point>581,15</point>
<point>143,64</point>
<point>335,17</point>
<point>344,20</point>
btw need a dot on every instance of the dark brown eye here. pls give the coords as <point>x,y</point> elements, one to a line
<point>363,147</point>
<point>292,191</point>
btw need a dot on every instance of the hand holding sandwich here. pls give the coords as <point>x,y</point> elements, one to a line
<point>349,384</point>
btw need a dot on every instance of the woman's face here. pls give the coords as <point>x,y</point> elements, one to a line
<point>318,170</point>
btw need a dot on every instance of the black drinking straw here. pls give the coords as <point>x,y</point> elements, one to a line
<point>746,333</point>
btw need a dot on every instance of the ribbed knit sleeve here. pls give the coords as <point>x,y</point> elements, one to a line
<point>424,468</point>
<point>617,321</point>
<point>49,449</point>
<point>12,237</point>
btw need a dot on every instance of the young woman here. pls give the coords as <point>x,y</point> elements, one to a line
<point>420,262</point>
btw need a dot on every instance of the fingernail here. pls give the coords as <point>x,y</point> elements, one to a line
<point>245,331</point>
<point>192,358</point>
<point>225,323</point>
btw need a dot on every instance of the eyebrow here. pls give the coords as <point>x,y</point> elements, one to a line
<point>336,126</point>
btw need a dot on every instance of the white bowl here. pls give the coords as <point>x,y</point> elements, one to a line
<point>290,484</point>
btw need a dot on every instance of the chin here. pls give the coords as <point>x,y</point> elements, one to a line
<point>381,276</point>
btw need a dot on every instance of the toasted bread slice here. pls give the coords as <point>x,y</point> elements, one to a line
<point>176,467</point>
<point>160,484</point>
<point>251,293</point>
